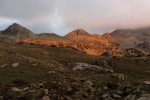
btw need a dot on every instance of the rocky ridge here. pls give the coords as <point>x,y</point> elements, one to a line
<point>80,39</point>
<point>114,43</point>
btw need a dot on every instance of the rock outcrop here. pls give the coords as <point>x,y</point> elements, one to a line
<point>129,38</point>
<point>114,44</point>
<point>15,31</point>
<point>132,52</point>
<point>93,44</point>
<point>145,47</point>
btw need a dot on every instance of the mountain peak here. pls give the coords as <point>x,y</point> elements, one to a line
<point>80,29</point>
<point>16,30</point>
<point>15,27</point>
<point>78,32</point>
<point>16,24</point>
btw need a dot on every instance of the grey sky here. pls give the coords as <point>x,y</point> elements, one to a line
<point>62,16</point>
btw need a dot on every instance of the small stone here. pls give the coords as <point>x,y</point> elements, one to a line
<point>1,98</point>
<point>26,88</point>
<point>147,82</point>
<point>45,53</point>
<point>15,64</point>
<point>89,83</point>
<point>3,65</point>
<point>15,89</point>
<point>32,91</point>
<point>116,96</point>
<point>109,70</point>
<point>36,64</point>
<point>119,92</point>
<point>144,97</point>
<point>105,96</point>
<point>45,98</point>
<point>119,76</point>
<point>130,97</point>
<point>41,85</point>
<point>51,72</point>
<point>68,98</point>
<point>46,91</point>
<point>105,87</point>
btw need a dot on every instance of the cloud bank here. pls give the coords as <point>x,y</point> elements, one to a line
<point>62,16</point>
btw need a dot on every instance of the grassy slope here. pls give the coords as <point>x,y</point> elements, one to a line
<point>133,68</point>
<point>55,59</point>
<point>46,58</point>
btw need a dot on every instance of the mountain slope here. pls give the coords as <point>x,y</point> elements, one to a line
<point>94,44</point>
<point>51,36</point>
<point>131,38</point>
<point>78,34</point>
<point>16,31</point>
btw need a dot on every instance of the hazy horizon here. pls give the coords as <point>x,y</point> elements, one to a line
<point>61,17</point>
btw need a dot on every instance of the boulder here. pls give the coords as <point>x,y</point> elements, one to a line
<point>116,96</point>
<point>15,64</point>
<point>1,98</point>
<point>130,97</point>
<point>3,65</point>
<point>45,98</point>
<point>46,91</point>
<point>147,82</point>
<point>119,76</point>
<point>15,89</point>
<point>144,97</point>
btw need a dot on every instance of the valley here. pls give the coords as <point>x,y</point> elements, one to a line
<point>83,66</point>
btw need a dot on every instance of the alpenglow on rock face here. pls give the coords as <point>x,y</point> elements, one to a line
<point>92,44</point>
<point>114,43</point>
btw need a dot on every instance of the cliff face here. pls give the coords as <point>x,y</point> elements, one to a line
<point>44,42</point>
<point>92,44</point>
<point>114,43</point>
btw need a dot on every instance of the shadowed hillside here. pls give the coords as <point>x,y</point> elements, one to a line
<point>78,65</point>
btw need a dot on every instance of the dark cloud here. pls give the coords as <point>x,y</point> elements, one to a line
<point>62,16</point>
